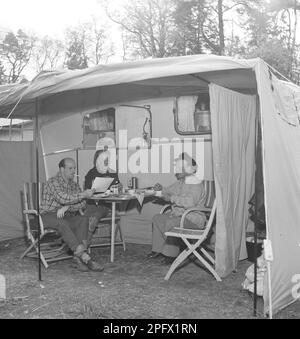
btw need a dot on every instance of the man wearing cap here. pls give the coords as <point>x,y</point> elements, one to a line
<point>187,192</point>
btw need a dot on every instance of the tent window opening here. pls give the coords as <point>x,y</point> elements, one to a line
<point>98,125</point>
<point>192,114</point>
<point>16,130</point>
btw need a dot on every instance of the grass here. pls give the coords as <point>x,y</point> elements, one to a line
<point>130,288</point>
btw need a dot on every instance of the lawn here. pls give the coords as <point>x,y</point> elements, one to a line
<point>132,288</point>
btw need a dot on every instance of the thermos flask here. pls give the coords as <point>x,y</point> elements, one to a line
<point>133,183</point>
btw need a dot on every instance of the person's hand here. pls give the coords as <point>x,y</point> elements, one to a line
<point>168,197</point>
<point>157,187</point>
<point>61,212</point>
<point>172,198</point>
<point>87,194</point>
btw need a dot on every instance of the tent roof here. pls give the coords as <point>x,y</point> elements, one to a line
<point>154,77</point>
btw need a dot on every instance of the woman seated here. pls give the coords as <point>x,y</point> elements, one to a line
<point>187,192</point>
<point>101,169</point>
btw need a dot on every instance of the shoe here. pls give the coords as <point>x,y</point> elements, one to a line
<point>69,252</point>
<point>79,265</point>
<point>167,260</point>
<point>153,255</point>
<point>94,266</point>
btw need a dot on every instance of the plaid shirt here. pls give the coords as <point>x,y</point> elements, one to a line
<point>58,193</point>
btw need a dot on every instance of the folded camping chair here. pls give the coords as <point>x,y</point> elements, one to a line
<point>194,239</point>
<point>50,251</point>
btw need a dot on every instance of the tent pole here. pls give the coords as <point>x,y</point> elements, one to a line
<point>37,140</point>
<point>255,216</point>
<point>77,164</point>
<point>255,258</point>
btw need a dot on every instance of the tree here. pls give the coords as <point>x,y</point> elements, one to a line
<point>2,74</point>
<point>100,48</point>
<point>219,12</point>
<point>76,56</point>
<point>202,25</point>
<point>275,54</point>
<point>272,32</point>
<point>88,44</point>
<point>48,53</point>
<point>189,17</point>
<point>16,51</point>
<point>149,26</point>
<point>288,12</point>
<point>276,5</point>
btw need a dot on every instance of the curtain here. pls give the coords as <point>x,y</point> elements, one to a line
<point>186,109</point>
<point>233,134</point>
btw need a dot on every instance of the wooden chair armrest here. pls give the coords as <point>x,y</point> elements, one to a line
<point>30,212</point>
<point>120,213</point>
<point>198,209</point>
<point>166,207</point>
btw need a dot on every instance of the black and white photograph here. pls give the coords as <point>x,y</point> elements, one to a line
<point>149,162</point>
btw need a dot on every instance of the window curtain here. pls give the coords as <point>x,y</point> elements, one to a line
<point>186,109</point>
<point>233,134</point>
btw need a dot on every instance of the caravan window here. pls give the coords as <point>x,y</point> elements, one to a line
<point>192,114</point>
<point>16,130</point>
<point>98,125</point>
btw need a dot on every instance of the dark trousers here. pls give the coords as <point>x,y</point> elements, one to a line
<point>73,229</point>
<point>98,212</point>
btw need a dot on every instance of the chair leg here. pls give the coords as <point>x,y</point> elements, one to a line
<point>28,250</point>
<point>192,248</point>
<point>208,256</point>
<point>34,246</point>
<point>207,265</point>
<point>121,235</point>
<point>181,257</point>
<point>113,228</point>
<point>43,260</point>
<point>33,242</point>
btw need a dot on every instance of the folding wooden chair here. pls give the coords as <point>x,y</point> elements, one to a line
<point>106,223</point>
<point>49,251</point>
<point>194,240</point>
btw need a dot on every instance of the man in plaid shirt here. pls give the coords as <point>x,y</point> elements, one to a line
<point>61,209</point>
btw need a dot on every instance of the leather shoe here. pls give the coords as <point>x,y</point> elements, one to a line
<point>94,266</point>
<point>79,265</point>
<point>153,255</point>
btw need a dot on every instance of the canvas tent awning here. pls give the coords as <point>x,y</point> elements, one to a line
<point>126,81</point>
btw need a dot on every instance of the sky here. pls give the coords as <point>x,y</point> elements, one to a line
<point>52,17</point>
<point>46,17</point>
